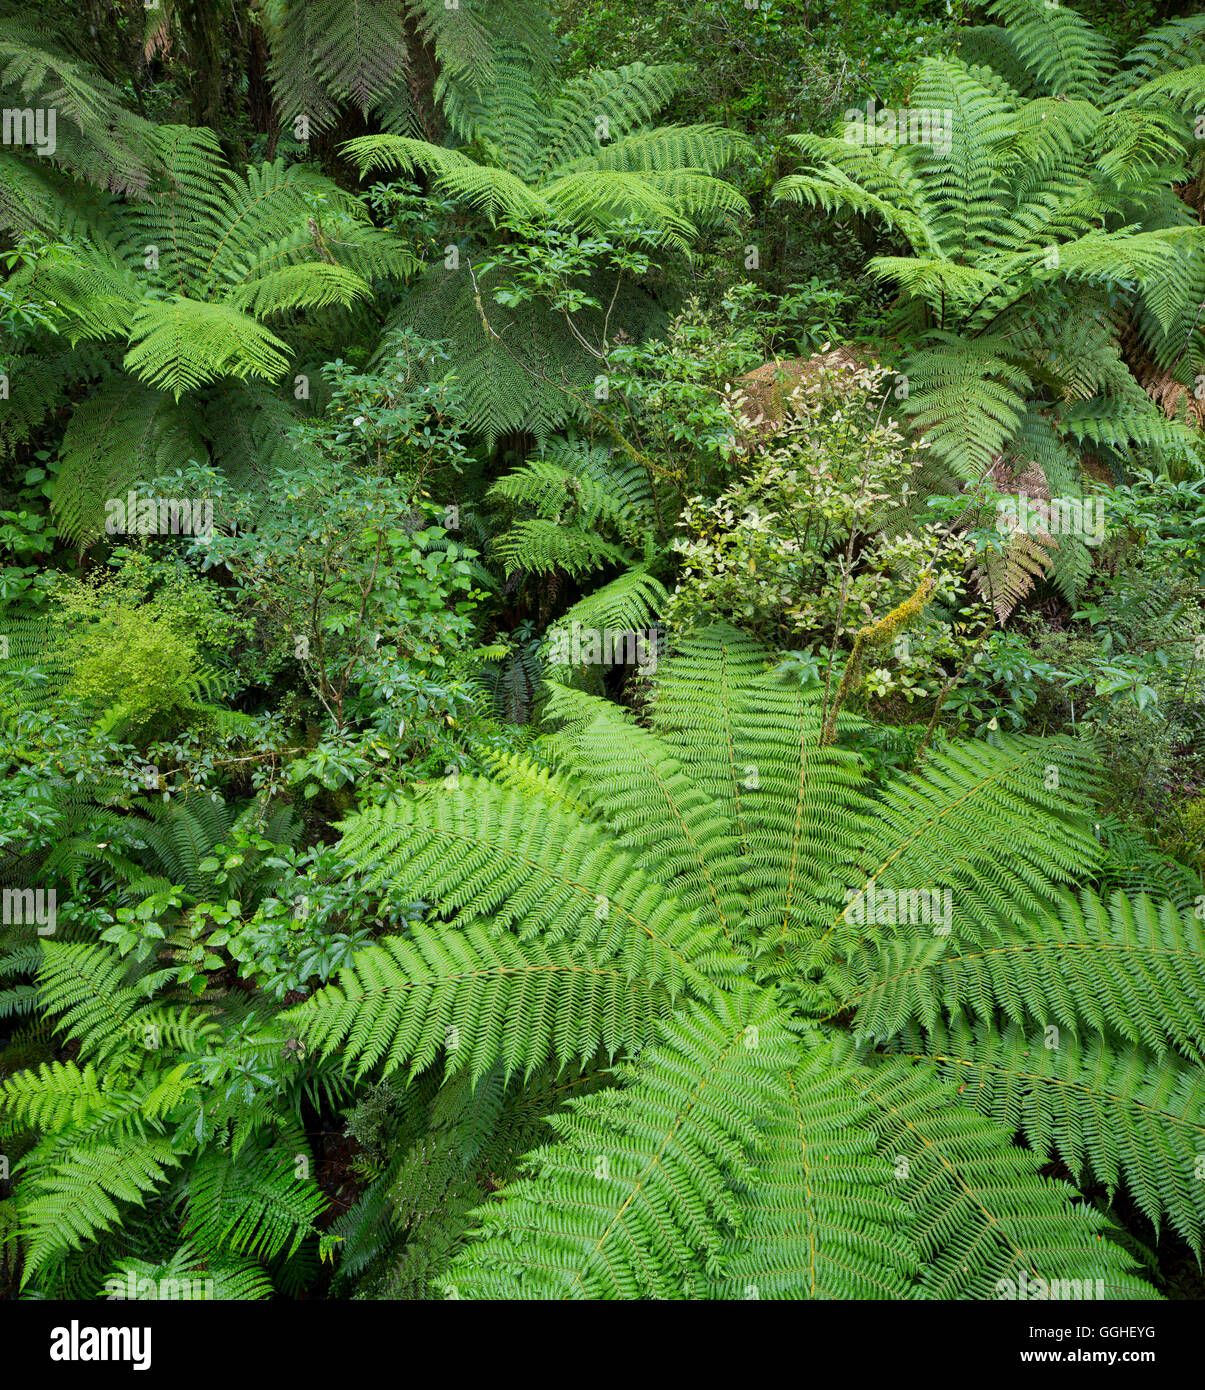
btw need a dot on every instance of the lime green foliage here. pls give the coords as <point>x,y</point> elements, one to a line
<point>135,660</point>
<point>116,662</point>
<point>120,645</point>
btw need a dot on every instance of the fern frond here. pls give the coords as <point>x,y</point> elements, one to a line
<point>1065,54</point>
<point>260,1202</point>
<point>1123,966</point>
<point>630,602</point>
<point>96,137</point>
<point>1115,1113</point>
<point>560,492</point>
<point>87,985</point>
<point>968,401</point>
<point>180,345</point>
<point>825,1217</point>
<point>704,149</point>
<point>478,996</point>
<point>79,1199</point>
<point>54,1097</point>
<point>624,101</point>
<point>696,705</point>
<point>477,852</point>
<point>188,1276</point>
<point>654,808</point>
<point>632,1198</point>
<point>538,546</point>
<point>528,373</point>
<point>309,285</point>
<point>970,820</point>
<point>982,1214</point>
<point>1006,577</point>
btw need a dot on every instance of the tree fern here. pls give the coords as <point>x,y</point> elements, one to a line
<point>1051,185</point>
<point>582,154</point>
<point>775,1006</point>
<point>183,281</point>
<point>387,58</point>
<point>95,137</point>
<point>594,510</point>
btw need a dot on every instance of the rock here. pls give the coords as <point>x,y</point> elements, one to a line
<point>764,395</point>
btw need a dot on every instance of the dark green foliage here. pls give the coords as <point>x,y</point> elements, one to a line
<point>171,1123</point>
<point>435,879</point>
<point>583,155</point>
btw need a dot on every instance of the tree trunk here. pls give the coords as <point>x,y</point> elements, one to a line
<point>203,35</point>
